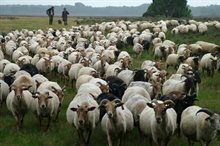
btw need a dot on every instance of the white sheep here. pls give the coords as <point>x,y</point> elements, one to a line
<point>209,63</point>
<point>138,49</point>
<point>3,63</point>
<point>202,28</point>
<point>90,88</point>
<point>117,121</point>
<point>11,68</point>
<point>83,114</point>
<point>112,70</point>
<point>87,71</point>
<point>158,121</point>
<point>4,91</point>
<point>45,65</point>
<point>74,70</point>
<point>199,124</point>
<point>45,104</point>
<point>83,79</point>
<point>208,47</point>
<point>136,105</point>
<point>39,79</point>
<point>174,60</point>
<point>126,75</point>
<point>129,92</point>
<point>18,103</point>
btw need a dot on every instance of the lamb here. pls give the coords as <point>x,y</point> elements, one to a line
<point>83,114</point>
<point>45,104</point>
<point>117,121</point>
<point>209,63</point>
<point>158,121</point>
<point>18,103</point>
<point>199,124</point>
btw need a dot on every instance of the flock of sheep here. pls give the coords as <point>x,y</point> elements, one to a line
<point>109,91</point>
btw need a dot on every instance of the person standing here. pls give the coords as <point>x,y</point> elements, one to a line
<point>64,16</point>
<point>50,13</point>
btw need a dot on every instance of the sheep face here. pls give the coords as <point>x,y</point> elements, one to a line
<point>19,90</point>
<point>42,101</point>
<point>59,93</point>
<point>111,106</point>
<point>160,108</point>
<point>82,113</point>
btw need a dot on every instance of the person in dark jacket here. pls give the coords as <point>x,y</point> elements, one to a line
<point>50,13</point>
<point>64,16</point>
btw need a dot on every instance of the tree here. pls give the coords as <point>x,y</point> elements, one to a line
<point>168,8</point>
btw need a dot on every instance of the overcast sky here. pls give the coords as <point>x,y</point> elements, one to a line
<point>100,3</point>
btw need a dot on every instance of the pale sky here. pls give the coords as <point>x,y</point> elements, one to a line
<point>101,3</point>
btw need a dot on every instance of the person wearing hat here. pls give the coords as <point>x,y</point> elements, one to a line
<point>64,16</point>
<point>50,13</point>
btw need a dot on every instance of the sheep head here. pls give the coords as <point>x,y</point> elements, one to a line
<point>82,112</point>
<point>160,108</point>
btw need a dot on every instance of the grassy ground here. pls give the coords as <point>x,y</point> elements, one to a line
<point>62,134</point>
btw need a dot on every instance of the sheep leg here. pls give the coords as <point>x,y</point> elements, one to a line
<point>48,123</point>
<point>190,143</point>
<point>89,135</point>
<point>81,137</point>
<point>109,140</point>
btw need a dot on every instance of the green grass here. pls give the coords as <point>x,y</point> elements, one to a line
<point>63,134</point>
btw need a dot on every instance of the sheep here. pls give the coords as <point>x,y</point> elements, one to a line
<point>11,68</point>
<point>183,68</point>
<point>174,60</point>
<point>25,80</point>
<point>3,63</point>
<point>202,28</point>
<point>186,85</point>
<point>45,104</point>
<point>116,86</point>
<point>30,68</point>
<point>83,114</point>
<point>39,79</point>
<point>18,103</point>
<point>87,71</point>
<point>83,79</point>
<point>4,91</point>
<point>54,87</point>
<point>112,70</point>
<point>193,62</point>
<point>24,60</point>
<point>182,101</point>
<point>126,76</point>
<point>90,88</point>
<point>136,105</point>
<point>117,121</point>
<point>158,121</point>
<point>208,47</point>
<point>129,92</point>
<point>199,124</point>
<point>138,49</point>
<point>209,63</point>
<point>101,66</point>
<point>73,71</point>
<point>45,65</point>
<point>102,84</point>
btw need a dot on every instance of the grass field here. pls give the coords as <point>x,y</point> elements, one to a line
<point>60,132</point>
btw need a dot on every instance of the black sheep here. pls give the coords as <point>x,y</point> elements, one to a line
<point>30,68</point>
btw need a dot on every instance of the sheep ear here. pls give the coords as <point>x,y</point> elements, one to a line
<point>73,109</point>
<point>91,108</point>
<point>26,87</point>
<point>49,97</point>
<point>35,95</point>
<point>150,105</point>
